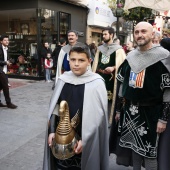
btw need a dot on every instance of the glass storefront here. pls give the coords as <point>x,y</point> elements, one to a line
<point>28,29</point>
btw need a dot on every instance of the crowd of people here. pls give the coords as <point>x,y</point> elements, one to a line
<point>64,66</point>
<point>119,99</point>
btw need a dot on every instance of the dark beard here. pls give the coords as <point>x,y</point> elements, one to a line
<point>143,44</point>
<point>106,41</point>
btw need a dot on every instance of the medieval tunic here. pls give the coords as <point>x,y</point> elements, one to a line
<point>104,62</point>
<point>94,133</point>
<point>138,130</point>
<point>109,56</point>
<point>74,95</point>
<point>63,60</point>
<point>144,87</point>
<point>164,145</point>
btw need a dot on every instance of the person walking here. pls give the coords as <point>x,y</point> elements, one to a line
<point>56,52</point>
<point>55,55</point>
<point>4,62</point>
<point>143,101</point>
<point>63,58</point>
<point>87,113</point>
<point>109,57</point>
<point>93,50</point>
<point>164,147</point>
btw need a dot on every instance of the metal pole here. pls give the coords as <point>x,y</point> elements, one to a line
<point>38,11</point>
<point>117,27</point>
<point>117,23</point>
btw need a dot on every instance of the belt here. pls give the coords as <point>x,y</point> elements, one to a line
<point>143,103</point>
<point>102,71</point>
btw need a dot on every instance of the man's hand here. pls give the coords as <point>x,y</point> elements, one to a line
<point>160,127</point>
<point>78,147</point>
<point>110,69</point>
<point>117,117</point>
<point>50,138</point>
<point>8,63</point>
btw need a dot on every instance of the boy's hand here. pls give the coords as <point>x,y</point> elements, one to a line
<point>78,147</point>
<point>50,138</point>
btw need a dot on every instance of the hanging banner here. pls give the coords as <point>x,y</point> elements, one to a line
<point>99,14</point>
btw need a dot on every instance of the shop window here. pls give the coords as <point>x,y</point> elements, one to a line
<point>21,28</point>
<point>65,23</point>
<point>25,28</point>
<point>48,25</point>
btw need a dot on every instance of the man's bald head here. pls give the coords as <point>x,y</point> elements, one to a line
<point>145,25</point>
<point>143,34</point>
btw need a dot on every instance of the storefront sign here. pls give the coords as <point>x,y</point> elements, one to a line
<point>81,34</point>
<point>100,14</point>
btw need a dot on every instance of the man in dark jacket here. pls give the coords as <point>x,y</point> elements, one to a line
<point>56,53</point>
<point>4,62</point>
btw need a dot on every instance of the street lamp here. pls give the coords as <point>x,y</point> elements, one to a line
<point>117,12</point>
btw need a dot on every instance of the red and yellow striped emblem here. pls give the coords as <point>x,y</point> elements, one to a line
<point>140,79</point>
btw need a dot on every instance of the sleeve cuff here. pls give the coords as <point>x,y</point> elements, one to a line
<point>162,121</point>
<point>165,111</point>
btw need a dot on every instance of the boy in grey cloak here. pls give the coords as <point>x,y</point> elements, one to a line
<point>84,91</point>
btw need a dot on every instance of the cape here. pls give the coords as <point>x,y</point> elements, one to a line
<point>62,53</point>
<point>95,154</point>
<point>120,57</point>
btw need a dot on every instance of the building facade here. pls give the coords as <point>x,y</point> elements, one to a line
<point>30,23</point>
<point>99,17</point>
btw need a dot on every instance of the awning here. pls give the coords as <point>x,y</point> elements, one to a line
<point>158,5</point>
<point>82,3</point>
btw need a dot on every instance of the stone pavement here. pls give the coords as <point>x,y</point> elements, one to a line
<point>22,130</point>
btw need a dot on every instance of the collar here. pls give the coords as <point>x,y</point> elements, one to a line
<point>71,78</point>
<point>4,48</point>
<point>108,49</point>
<point>139,61</point>
<point>68,47</point>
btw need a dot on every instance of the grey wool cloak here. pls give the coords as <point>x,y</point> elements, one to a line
<point>95,154</point>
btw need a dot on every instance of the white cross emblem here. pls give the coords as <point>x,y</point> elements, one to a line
<point>142,131</point>
<point>133,109</point>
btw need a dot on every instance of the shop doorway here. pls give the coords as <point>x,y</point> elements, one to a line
<point>96,37</point>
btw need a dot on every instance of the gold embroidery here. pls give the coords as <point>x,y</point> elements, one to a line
<point>109,95</point>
